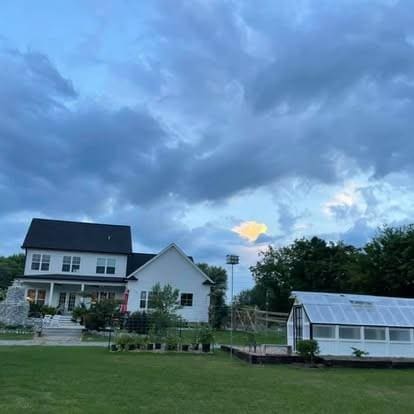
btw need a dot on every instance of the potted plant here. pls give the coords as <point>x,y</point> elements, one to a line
<point>195,339</point>
<point>132,342</point>
<point>171,342</point>
<point>155,338</point>
<point>139,341</point>
<point>150,346</point>
<point>122,341</point>
<point>206,338</point>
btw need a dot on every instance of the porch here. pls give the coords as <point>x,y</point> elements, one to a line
<point>66,295</point>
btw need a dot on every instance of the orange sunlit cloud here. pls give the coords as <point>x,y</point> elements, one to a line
<point>250,230</point>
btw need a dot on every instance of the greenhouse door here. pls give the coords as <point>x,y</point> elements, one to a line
<point>297,325</point>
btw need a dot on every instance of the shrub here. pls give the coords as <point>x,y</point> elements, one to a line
<point>138,322</point>
<point>308,349</point>
<point>206,335</point>
<point>79,313</point>
<point>359,353</point>
<point>37,311</point>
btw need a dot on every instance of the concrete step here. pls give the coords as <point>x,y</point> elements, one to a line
<point>62,332</point>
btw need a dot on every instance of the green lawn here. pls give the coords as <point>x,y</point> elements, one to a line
<point>92,380</point>
<point>14,336</point>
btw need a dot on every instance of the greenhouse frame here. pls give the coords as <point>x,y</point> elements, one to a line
<point>341,323</point>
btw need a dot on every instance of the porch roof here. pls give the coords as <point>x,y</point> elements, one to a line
<point>74,278</point>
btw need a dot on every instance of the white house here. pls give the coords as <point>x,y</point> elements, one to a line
<point>66,260</point>
<point>381,326</point>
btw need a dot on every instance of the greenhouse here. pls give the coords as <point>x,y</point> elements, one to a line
<point>343,323</point>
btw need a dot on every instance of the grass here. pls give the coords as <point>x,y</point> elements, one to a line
<point>92,380</point>
<point>14,336</point>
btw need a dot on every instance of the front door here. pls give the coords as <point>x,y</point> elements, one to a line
<point>67,301</point>
<point>297,324</point>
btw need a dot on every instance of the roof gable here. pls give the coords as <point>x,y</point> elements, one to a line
<point>349,309</point>
<point>188,259</point>
<point>78,236</point>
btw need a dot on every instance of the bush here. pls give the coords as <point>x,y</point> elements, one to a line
<point>38,311</point>
<point>206,335</point>
<point>138,322</point>
<point>78,313</point>
<point>100,315</point>
<point>308,349</point>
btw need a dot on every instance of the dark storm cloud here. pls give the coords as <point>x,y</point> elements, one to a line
<point>282,90</point>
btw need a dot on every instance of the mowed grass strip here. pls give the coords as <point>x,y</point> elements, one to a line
<point>92,380</point>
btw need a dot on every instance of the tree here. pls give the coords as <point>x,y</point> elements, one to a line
<point>164,304</point>
<point>307,264</point>
<point>218,310</point>
<point>10,267</point>
<point>388,263</point>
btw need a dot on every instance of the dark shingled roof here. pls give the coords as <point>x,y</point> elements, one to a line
<point>136,260</point>
<point>77,236</point>
<point>100,279</point>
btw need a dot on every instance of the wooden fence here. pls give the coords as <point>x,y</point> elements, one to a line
<point>254,319</point>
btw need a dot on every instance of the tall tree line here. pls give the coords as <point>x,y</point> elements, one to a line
<point>10,267</point>
<point>384,266</point>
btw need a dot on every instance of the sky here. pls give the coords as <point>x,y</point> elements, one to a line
<point>222,126</point>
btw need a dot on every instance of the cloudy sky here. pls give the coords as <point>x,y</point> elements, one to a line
<point>220,125</point>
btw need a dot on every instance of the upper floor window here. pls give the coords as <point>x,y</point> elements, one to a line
<point>71,264</point>
<point>186,299</point>
<point>40,262</point>
<point>104,265</point>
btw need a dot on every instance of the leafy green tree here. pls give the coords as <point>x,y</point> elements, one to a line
<point>164,305</point>
<point>10,267</point>
<point>388,263</point>
<point>307,264</point>
<point>218,310</point>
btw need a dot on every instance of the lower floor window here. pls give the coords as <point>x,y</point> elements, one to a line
<point>323,332</point>
<point>37,296</point>
<point>400,335</point>
<point>374,334</point>
<point>102,295</point>
<point>146,300</point>
<point>349,332</point>
<point>186,299</point>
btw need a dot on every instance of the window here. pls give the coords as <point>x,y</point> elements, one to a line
<point>71,264</point>
<point>323,332</point>
<point>349,332</point>
<point>146,300</point>
<point>110,266</point>
<point>45,262</point>
<point>400,335</point>
<point>143,300</point>
<point>40,262</point>
<point>105,266</point>
<point>100,265</point>
<point>374,334</point>
<point>75,264</point>
<point>36,259</point>
<point>66,264</point>
<point>37,296</point>
<point>186,299</point>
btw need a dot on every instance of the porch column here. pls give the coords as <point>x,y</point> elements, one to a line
<point>52,286</point>
<point>82,290</point>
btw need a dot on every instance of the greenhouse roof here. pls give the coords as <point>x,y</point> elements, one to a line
<point>348,309</point>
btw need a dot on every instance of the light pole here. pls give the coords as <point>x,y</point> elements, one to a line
<point>232,260</point>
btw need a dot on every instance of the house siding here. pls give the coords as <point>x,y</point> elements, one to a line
<point>173,269</point>
<point>87,265</point>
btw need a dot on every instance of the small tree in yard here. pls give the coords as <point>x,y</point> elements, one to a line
<point>164,304</point>
<point>308,349</point>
